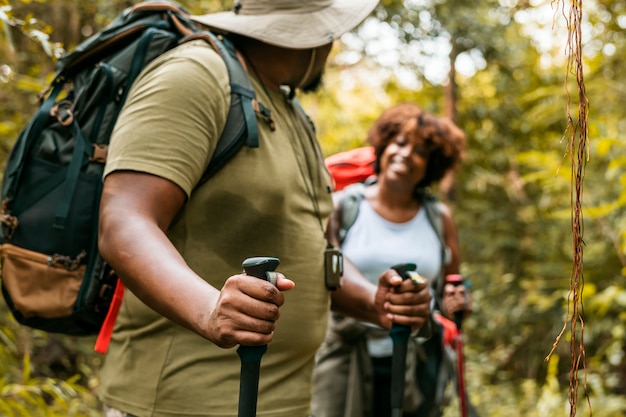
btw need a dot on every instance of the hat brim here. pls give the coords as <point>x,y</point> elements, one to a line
<point>293,30</point>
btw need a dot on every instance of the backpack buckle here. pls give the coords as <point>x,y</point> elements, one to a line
<point>62,111</point>
<point>99,153</point>
<point>67,262</point>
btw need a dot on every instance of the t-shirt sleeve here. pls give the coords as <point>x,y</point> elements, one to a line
<point>173,117</point>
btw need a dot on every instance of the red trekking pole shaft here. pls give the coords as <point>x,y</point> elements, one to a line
<point>456,279</point>
<point>461,367</point>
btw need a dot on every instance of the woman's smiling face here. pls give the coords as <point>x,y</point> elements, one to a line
<point>406,157</point>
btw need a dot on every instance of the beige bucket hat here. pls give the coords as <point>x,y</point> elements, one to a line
<point>295,24</point>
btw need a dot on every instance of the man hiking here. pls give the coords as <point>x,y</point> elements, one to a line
<point>179,249</point>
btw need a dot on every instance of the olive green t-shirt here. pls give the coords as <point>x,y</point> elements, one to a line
<point>266,201</point>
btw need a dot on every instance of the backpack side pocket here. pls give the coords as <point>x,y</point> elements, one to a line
<point>40,285</point>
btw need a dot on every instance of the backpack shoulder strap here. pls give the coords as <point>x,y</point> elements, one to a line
<point>348,207</point>
<point>241,124</point>
<point>434,210</point>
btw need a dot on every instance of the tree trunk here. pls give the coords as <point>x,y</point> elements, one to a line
<point>448,183</point>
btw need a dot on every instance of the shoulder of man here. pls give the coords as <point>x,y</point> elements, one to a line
<point>184,63</point>
<point>195,52</point>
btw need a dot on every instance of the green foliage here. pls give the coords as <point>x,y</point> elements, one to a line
<point>25,395</point>
<point>512,203</point>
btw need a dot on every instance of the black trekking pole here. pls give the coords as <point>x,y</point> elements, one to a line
<point>263,268</point>
<point>400,337</point>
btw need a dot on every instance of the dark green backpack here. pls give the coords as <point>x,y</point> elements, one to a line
<point>53,278</point>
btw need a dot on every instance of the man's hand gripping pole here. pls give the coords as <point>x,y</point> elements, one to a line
<point>263,268</point>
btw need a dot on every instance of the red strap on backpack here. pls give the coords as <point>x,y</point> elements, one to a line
<point>349,167</point>
<point>106,331</point>
<point>450,331</point>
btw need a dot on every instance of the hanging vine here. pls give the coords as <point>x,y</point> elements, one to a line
<point>577,135</point>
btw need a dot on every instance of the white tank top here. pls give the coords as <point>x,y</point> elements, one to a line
<point>374,244</point>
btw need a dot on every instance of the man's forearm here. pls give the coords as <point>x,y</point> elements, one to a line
<point>355,298</point>
<point>154,271</point>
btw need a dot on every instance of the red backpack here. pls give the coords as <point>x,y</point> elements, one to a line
<point>354,165</point>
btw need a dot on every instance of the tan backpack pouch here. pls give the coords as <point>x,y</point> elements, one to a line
<point>37,287</point>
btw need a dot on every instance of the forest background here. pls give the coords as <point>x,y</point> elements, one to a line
<point>499,69</point>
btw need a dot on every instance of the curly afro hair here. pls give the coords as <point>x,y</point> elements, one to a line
<point>444,141</point>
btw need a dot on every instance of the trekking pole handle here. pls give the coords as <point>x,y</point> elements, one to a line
<point>406,271</point>
<point>456,280</point>
<point>409,271</point>
<point>400,336</point>
<point>263,268</point>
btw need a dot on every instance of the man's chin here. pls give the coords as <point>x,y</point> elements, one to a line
<point>314,85</point>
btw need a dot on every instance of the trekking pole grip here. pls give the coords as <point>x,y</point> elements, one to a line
<point>456,280</point>
<point>400,337</point>
<point>263,268</point>
<point>250,356</point>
